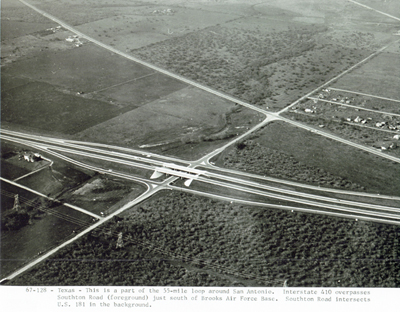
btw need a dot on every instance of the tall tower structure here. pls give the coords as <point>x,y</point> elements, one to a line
<point>17,205</point>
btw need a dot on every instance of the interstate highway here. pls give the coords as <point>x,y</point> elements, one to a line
<point>308,198</point>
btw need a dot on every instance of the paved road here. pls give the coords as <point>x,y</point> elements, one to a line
<point>334,137</point>
<point>132,58</point>
<point>150,163</point>
<point>50,198</point>
<point>272,116</point>
<point>236,183</point>
<point>285,207</point>
<point>343,206</point>
<point>361,211</point>
<point>326,84</point>
<point>102,221</point>
<point>296,184</point>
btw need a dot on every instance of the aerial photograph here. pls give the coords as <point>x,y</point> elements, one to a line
<point>219,143</point>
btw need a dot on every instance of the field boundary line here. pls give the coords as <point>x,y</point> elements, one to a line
<point>50,198</point>
<point>369,8</point>
<point>32,172</point>
<point>122,83</point>
<point>353,106</point>
<point>369,95</point>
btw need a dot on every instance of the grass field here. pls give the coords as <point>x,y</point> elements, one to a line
<point>380,76</point>
<point>85,69</point>
<point>41,106</point>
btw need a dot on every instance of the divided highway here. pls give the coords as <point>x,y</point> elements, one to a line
<point>259,189</point>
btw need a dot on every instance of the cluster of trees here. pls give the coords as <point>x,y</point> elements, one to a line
<point>232,60</point>
<point>241,61</point>
<point>250,156</point>
<point>14,219</point>
<point>183,239</point>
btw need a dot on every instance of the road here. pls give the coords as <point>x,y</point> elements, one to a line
<point>369,8</point>
<point>272,116</point>
<point>216,176</point>
<point>365,94</point>
<point>311,203</point>
<point>354,106</point>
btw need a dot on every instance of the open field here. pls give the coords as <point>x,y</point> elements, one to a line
<point>77,69</point>
<point>131,25</point>
<point>174,123</point>
<point>49,181</point>
<point>41,106</point>
<point>226,244</point>
<point>67,92</point>
<point>284,151</point>
<point>380,76</point>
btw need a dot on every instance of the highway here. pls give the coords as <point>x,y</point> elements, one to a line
<point>237,181</point>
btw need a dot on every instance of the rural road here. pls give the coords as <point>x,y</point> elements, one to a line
<point>365,94</point>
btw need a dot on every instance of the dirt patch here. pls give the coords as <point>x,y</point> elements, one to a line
<point>102,194</point>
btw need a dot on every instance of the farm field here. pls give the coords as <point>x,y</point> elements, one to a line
<point>61,91</point>
<point>130,25</point>
<point>253,247</point>
<point>283,151</point>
